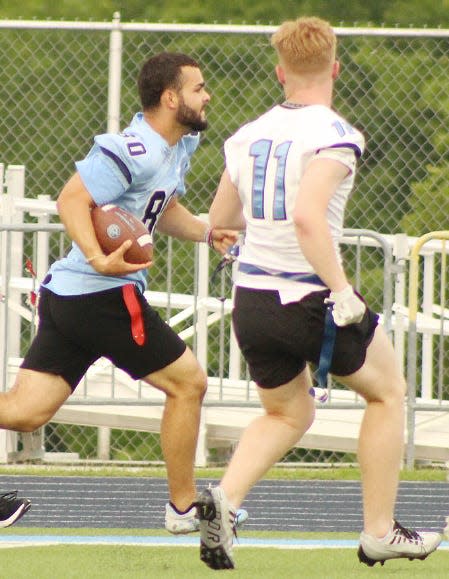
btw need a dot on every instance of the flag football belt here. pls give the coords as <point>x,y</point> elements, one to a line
<point>135,313</point>
<point>330,329</point>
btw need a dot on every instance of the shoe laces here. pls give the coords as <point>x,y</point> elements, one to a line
<point>409,534</point>
<point>233,521</point>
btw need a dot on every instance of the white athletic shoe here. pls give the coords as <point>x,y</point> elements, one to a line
<point>217,528</point>
<point>181,524</point>
<point>399,543</point>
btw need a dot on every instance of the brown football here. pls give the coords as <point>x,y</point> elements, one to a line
<point>113,225</point>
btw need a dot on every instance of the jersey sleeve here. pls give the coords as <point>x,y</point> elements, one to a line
<point>336,139</point>
<point>345,155</point>
<point>113,164</point>
<point>101,177</point>
<point>334,132</point>
<point>110,167</point>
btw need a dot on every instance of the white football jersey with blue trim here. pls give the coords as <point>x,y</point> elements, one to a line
<point>266,160</point>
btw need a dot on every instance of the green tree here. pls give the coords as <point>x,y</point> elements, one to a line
<point>338,12</point>
<point>429,199</point>
<point>429,203</point>
<point>398,100</point>
<point>431,13</point>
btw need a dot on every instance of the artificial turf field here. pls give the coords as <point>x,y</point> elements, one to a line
<point>124,561</point>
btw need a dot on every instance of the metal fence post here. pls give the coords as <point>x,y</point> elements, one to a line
<point>115,75</point>
<point>401,251</point>
<point>113,126</point>
<point>11,259</point>
<point>200,322</point>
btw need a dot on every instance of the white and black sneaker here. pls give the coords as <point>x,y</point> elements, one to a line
<point>398,543</point>
<point>183,523</point>
<point>12,508</point>
<point>217,528</point>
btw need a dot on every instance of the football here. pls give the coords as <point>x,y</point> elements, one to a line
<point>113,225</point>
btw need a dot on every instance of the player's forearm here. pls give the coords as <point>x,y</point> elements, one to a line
<point>226,209</point>
<point>225,212</point>
<point>177,221</point>
<point>317,247</point>
<point>74,205</point>
<point>236,222</point>
<point>78,225</point>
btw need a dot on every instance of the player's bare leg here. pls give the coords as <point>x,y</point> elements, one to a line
<point>380,453</point>
<point>289,413</point>
<point>380,450</point>
<point>184,384</point>
<point>32,401</point>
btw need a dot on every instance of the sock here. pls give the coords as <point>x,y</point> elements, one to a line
<point>173,506</point>
<point>388,532</point>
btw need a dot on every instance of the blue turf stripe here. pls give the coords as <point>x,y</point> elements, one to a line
<point>175,540</point>
<point>182,541</point>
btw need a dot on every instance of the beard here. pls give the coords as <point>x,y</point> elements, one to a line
<point>190,118</point>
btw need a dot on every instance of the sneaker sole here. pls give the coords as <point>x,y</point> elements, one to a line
<point>24,507</point>
<point>183,531</point>
<point>215,558</point>
<point>363,558</point>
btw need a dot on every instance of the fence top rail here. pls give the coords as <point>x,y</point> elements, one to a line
<point>32,227</point>
<point>442,237</point>
<point>366,237</point>
<point>116,24</point>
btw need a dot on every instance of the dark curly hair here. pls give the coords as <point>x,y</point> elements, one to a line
<point>160,72</point>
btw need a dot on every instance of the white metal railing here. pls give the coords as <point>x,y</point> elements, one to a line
<point>436,324</point>
<point>209,28</point>
<point>104,385</point>
<point>203,309</point>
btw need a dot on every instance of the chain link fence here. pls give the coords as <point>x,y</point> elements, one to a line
<point>62,83</point>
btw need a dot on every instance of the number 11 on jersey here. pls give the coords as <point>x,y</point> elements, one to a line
<point>262,152</point>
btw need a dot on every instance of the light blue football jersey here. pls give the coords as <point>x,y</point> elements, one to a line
<point>136,170</point>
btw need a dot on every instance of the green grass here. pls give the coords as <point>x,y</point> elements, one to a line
<point>128,562</point>
<point>277,473</point>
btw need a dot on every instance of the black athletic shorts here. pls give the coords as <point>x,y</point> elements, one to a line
<point>278,340</point>
<point>118,324</point>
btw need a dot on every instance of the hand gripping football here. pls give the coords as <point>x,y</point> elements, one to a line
<point>113,225</point>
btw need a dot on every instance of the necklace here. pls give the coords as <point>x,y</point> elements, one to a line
<point>289,105</point>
